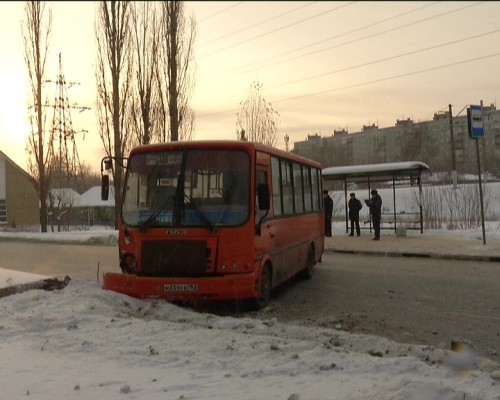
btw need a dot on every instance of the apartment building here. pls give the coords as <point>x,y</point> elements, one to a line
<point>428,141</point>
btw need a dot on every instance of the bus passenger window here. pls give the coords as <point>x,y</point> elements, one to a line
<point>307,189</point>
<point>260,178</point>
<point>298,189</point>
<point>287,187</point>
<point>276,176</point>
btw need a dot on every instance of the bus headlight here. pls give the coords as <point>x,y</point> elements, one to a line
<point>236,265</point>
<point>225,267</point>
<point>128,262</point>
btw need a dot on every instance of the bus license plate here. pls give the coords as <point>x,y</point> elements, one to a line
<point>180,287</point>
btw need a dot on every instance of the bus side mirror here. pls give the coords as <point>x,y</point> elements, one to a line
<point>106,166</point>
<point>263,196</point>
<point>108,163</point>
<point>104,187</point>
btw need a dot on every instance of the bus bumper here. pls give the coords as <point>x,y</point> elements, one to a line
<point>229,287</point>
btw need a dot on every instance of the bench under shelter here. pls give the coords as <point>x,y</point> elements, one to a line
<point>397,174</point>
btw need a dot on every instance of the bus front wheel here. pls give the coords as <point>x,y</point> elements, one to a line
<point>264,290</point>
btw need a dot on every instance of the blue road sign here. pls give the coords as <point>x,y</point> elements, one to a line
<point>475,122</point>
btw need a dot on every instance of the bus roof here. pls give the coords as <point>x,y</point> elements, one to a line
<point>222,144</point>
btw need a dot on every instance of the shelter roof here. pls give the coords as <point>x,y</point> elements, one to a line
<point>407,168</point>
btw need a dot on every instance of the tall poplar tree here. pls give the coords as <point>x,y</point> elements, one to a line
<point>176,72</point>
<point>113,78</point>
<point>36,29</point>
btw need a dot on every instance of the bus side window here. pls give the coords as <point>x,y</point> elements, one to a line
<point>260,178</point>
<point>276,181</point>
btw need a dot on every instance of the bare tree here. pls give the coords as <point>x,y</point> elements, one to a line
<point>257,120</point>
<point>113,38</point>
<point>145,107</point>
<point>36,33</point>
<point>453,207</point>
<point>176,73</point>
<point>91,176</point>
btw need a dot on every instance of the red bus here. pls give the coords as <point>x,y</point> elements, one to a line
<point>216,220</point>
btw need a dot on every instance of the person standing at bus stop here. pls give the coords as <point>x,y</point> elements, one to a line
<point>375,204</point>
<point>354,207</point>
<point>328,203</point>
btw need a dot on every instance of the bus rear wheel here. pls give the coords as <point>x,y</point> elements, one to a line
<point>265,290</point>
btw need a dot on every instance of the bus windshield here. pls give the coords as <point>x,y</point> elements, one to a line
<point>187,188</point>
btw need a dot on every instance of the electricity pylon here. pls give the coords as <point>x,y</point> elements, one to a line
<point>68,168</point>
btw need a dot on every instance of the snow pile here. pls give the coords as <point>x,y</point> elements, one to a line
<point>86,343</point>
<point>82,342</point>
<point>12,278</point>
<point>93,236</point>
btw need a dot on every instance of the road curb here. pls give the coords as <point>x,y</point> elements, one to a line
<point>463,257</point>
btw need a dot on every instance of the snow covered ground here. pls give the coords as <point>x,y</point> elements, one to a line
<point>86,343</point>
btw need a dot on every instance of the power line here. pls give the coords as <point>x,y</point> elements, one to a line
<point>258,23</point>
<point>330,38</point>
<point>278,29</point>
<point>406,74</point>
<point>384,59</point>
<point>366,37</point>
<point>380,60</point>
<point>391,77</point>
<point>220,11</point>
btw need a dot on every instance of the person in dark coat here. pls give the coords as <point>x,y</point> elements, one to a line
<point>375,204</point>
<point>354,207</point>
<point>328,202</point>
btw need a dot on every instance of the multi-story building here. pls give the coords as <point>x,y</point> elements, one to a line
<point>427,141</point>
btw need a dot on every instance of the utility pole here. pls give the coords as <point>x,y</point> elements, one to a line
<point>452,140</point>
<point>484,148</point>
<point>476,131</point>
<point>481,200</point>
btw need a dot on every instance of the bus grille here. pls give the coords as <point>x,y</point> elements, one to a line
<point>175,258</point>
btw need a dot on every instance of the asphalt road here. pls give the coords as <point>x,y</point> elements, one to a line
<point>410,300</point>
<point>76,261</point>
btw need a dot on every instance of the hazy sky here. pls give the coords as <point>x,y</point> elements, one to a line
<point>323,65</point>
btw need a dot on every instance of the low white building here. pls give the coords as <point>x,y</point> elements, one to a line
<point>97,211</point>
<point>69,209</point>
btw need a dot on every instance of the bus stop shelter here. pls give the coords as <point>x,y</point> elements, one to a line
<point>398,175</point>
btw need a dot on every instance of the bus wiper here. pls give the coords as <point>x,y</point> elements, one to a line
<point>152,217</point>
<point>200,214</point>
